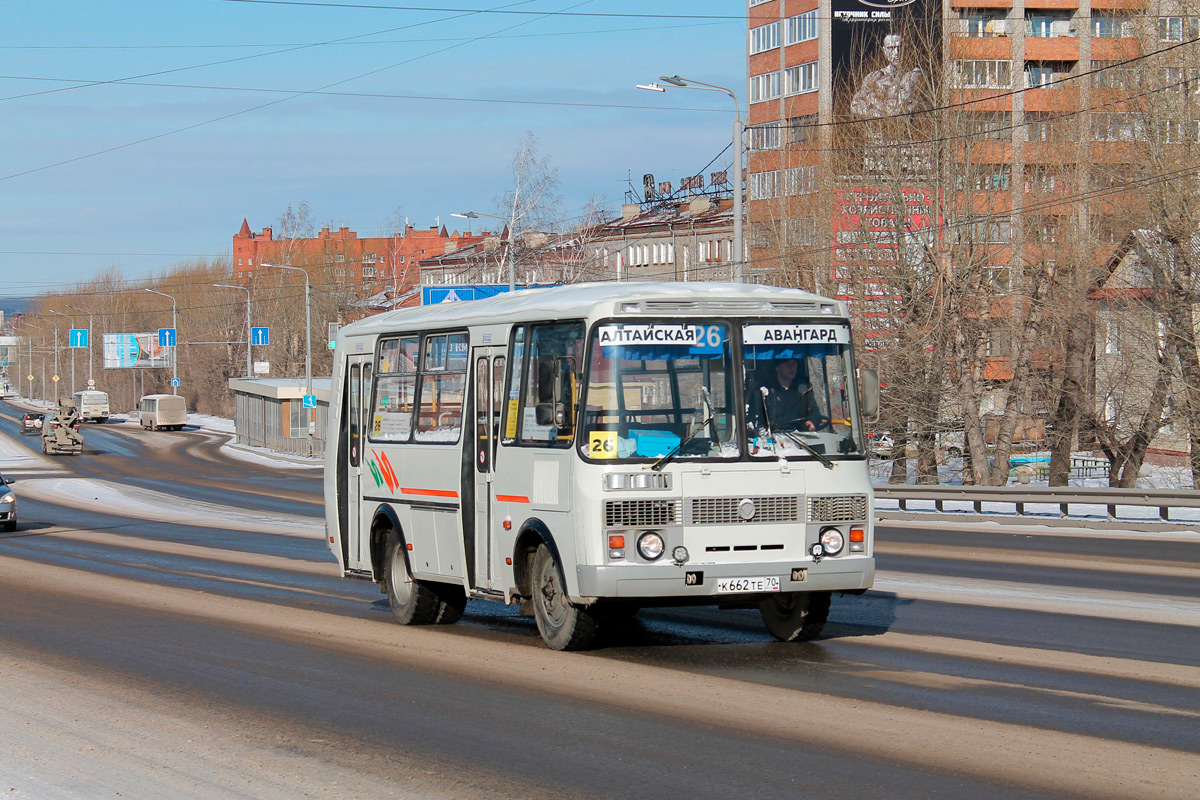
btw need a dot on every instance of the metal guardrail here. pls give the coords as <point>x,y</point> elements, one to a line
<point>1062,496</point>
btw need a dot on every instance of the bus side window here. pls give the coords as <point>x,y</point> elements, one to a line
<point>548,412</point>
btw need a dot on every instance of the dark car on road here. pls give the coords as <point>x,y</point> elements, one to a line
<point>8,505</point>
<point>32,423</point>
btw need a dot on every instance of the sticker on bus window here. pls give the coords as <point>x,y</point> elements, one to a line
<point>377,426</point>
<point>797,334</point>
<point>602,444</point>
<point>510,425</point>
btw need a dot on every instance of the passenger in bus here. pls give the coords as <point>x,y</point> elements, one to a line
<point>790,403</point>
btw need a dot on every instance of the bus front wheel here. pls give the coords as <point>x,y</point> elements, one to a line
<point>413,602</point>
<point>795,616</point>
<point>563,625</point>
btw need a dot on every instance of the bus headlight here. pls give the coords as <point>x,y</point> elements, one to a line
<point>832,540</point>
<point>650,545</point>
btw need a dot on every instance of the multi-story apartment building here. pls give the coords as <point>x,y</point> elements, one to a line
<point>365,265</point>
<point>1037,83</point>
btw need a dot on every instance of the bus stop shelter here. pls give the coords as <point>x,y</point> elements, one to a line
<point>270,413</point>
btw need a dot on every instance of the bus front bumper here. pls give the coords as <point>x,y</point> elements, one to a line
<point>705,580</point>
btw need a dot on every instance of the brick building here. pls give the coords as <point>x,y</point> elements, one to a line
<point>369,265</point>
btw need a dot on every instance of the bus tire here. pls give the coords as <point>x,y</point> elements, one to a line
<point>413,602</point>
<point>795,616</point>
<point>562,624</point>
<point>452,601</point>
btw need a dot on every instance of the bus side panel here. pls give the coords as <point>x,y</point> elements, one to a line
<point>426,487</point>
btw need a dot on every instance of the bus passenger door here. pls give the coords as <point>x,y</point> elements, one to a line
<point>488,374</point>
<point>358,396</point>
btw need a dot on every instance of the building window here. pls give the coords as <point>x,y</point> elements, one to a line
<point>802,129</point>
<point>766,137</point>
<point>1116,127</point>
<point>801,230</point>
<point>340,258</point>
<point>1046,74</point>
<point>1042,179</point>
<point>990,232</point>
<point>370,258</point>
<point>998,277</point>
<point>993,178</point>
<point>1043,230</point>
<point>800,180</point>
<point>764,185</point>
<point>1170,29</point>
<point>764,37</point>
<point>985,74</point>
<point>239,262</point>
<point>368,272</point>
<point>983,25</point>
<point>758,2</point>
<point>800,79</point>
<point>1110,26</point>
<point>1043,126</point>
<point>764,87</point>
<point>801,28</point>
<point>1045,25</point>
<point>994,125</point>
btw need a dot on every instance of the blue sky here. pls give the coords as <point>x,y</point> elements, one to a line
<point>189,157</point>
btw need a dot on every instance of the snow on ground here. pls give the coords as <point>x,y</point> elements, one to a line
<point>112,498</point>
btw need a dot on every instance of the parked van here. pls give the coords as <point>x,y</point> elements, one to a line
<point>92,406</point>
<point>162,411</point>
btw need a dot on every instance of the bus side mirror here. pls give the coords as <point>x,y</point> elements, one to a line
<point>564,394</point>
<point>870,394</point>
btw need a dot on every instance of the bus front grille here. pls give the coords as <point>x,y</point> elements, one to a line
<point>837,508</point>
<point>724,510</point>
<point>642,513</point>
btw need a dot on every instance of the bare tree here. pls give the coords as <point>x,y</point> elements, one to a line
<point>531,204</point>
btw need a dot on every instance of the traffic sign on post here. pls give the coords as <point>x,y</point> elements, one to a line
<point>310,401</point>
<point>166,337</point>
<point>79,337</point>
<point>175,383</point>
<point>260,336</point>
<point>91,383</point>
<point>55,379</point>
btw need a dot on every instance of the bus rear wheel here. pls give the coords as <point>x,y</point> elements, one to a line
<point>562,624</point>
<point>413,602</point>
<point>795,616</point>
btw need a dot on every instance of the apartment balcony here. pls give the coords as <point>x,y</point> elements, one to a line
<point>1057,48</point>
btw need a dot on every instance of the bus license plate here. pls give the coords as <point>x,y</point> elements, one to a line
<point>769,583</point>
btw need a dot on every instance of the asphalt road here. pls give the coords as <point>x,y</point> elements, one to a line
<point>173,626</point>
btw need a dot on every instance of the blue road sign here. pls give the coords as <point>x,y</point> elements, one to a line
<point>175,383</point>
<point>79,337</point>
<point>260,336</point>
<point>166,337</point>
<point>310,401</point>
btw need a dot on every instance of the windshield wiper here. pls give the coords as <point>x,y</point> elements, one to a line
<point>662,462</point>
<point>825,462</point>
<point>795,439</point>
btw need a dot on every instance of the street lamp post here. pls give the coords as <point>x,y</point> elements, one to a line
<point>512,274</point>
<point>89,316</point>
<point>307,324</point>
<point>72,324</point>
<point>36,327</point>
<point>739,130</point>
<point>249,335</point>
<point>174,347</point>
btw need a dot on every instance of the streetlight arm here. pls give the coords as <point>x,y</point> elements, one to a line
<point>689,83</point>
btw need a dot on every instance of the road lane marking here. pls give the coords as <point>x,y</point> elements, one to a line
<point>1051,761</point>
<point>1038,559</point>
<point>1046,599</point>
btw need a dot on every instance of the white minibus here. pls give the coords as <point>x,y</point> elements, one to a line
<point>92,406</point>
<point>162,412</point>
<point>587,451</point>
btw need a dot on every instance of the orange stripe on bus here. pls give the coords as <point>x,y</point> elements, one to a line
<point>429,492</point>
<point>512,498</point>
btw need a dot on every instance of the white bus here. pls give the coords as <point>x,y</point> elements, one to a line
<point>92,406</point>
<point>157,412</point>
<point>586,451</point>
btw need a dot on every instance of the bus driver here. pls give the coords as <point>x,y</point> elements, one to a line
<point>790,403</point>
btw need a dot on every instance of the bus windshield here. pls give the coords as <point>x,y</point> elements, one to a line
<point>654,388</point>
<point>797,378</point>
